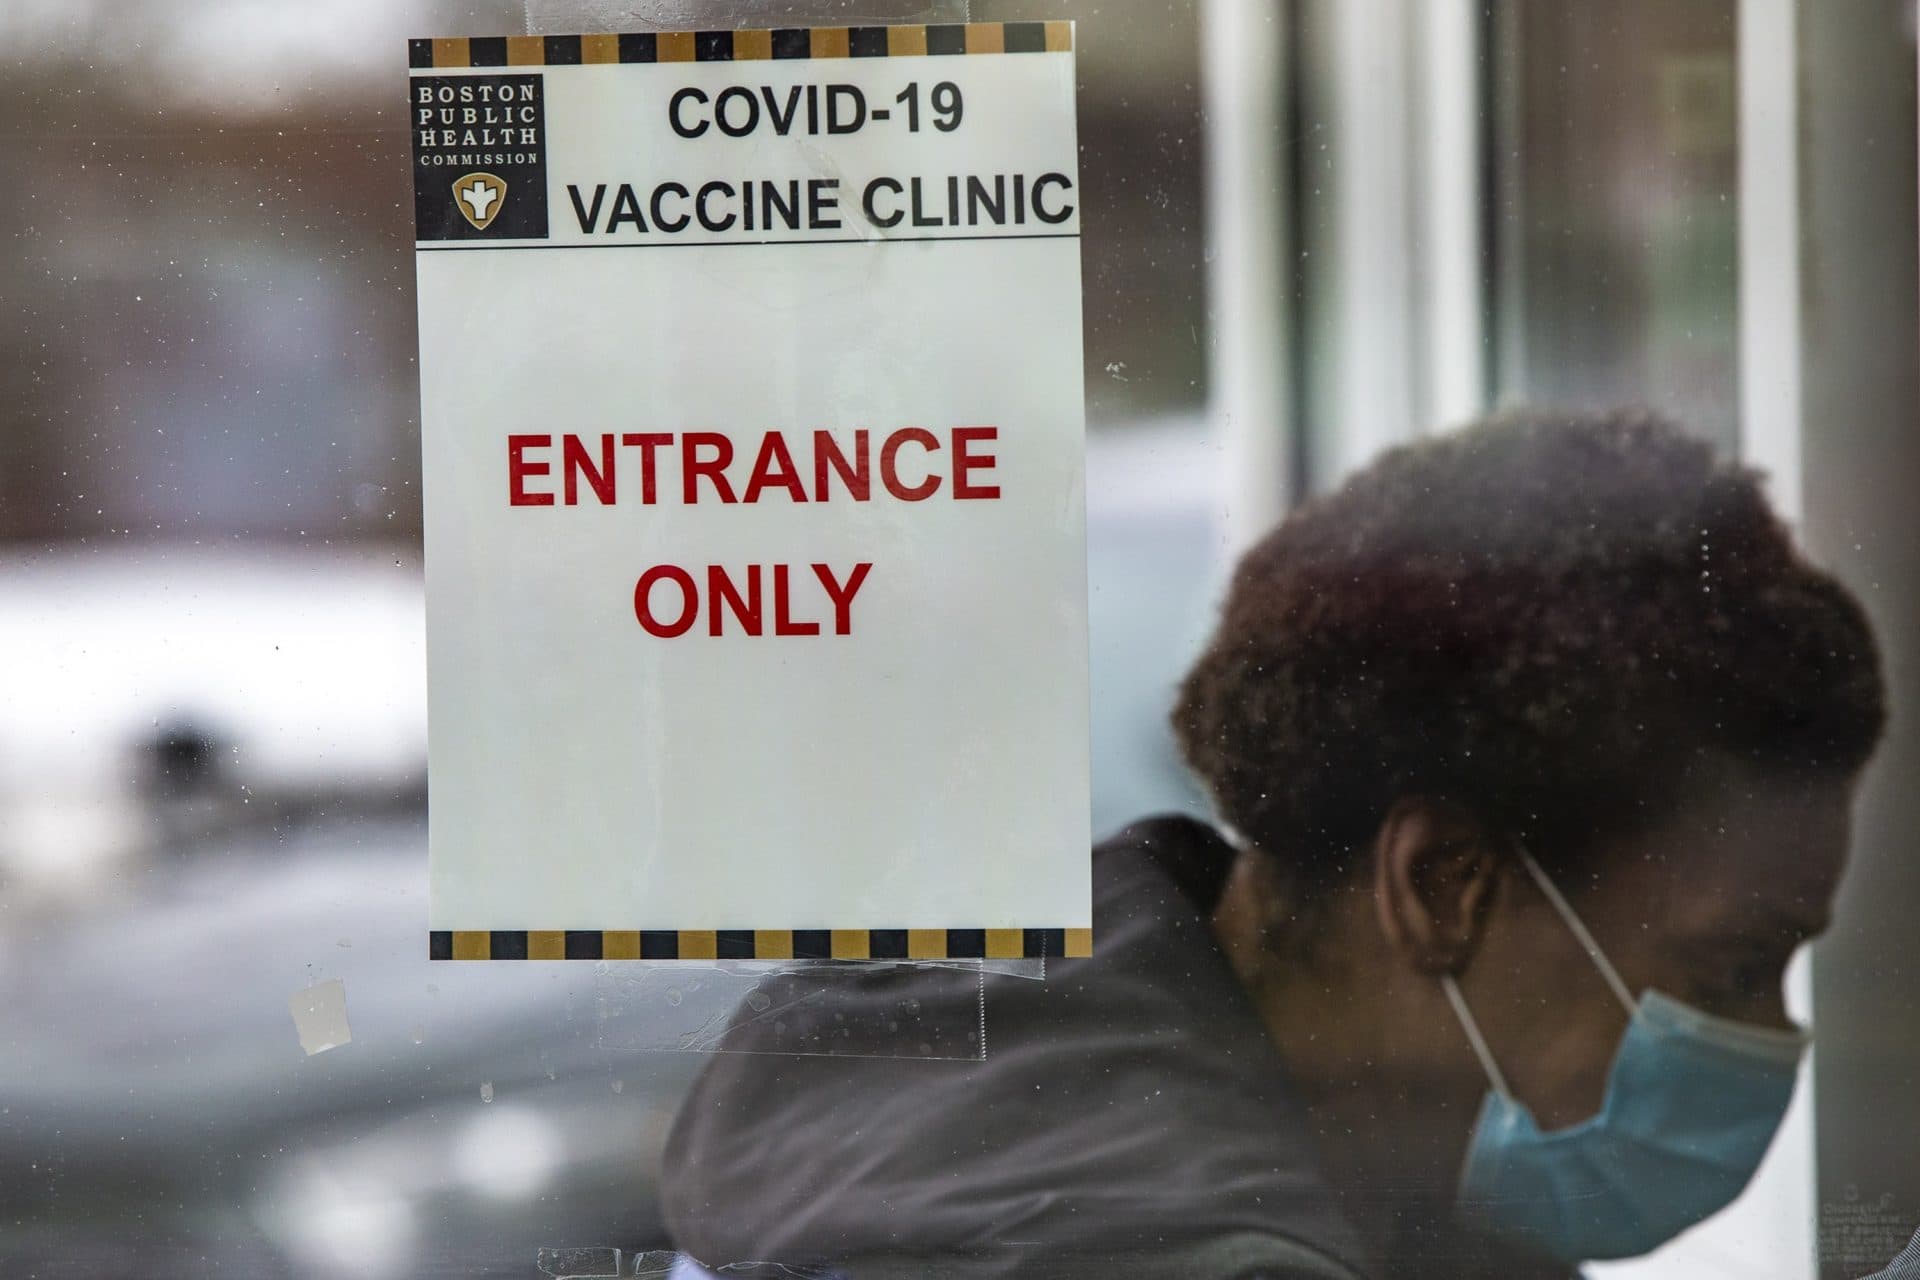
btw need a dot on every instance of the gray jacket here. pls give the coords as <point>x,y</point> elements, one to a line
<point>1130,1115</point>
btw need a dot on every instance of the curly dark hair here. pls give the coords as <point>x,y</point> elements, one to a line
<point>1544,617</point>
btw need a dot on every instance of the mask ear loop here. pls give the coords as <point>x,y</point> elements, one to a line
<point>1573,922</point>
<point>1474,1038</point>
<point>1587,943</point>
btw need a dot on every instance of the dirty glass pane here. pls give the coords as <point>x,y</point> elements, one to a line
<point>1615,162</point>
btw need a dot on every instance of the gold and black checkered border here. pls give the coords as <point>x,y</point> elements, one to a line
<point>743,46</point>
<point>758,944</point>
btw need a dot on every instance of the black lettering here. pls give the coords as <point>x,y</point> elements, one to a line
<point>995,204</point>
<point>660,220</point>
<point>873,214</point>
<point>788,209</point>
<point>781,123</point>
<point>589,217</point>
<point>626,208</point>
<point>920,219</point>
<point>673,115</point>
<point>700,205</point>
<point>822,198</point>
<point>1040,184</point>
<point>837,93</point>
<point>736,94</point>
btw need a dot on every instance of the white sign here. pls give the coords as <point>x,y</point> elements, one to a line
<point>752,428</point>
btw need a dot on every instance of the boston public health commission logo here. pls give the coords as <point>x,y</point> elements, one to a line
<point>480,197</point>
<point>479,156</point>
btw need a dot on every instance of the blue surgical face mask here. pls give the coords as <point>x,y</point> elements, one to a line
<point>1692,1104</point>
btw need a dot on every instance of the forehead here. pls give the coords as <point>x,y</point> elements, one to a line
<point>1748,851</point>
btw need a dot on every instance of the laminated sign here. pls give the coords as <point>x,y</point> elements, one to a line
<point>752,425</point>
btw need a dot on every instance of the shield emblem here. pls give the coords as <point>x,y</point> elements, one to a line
<point>480,197</point>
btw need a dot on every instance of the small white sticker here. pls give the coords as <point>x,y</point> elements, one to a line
<point>320,1016</point>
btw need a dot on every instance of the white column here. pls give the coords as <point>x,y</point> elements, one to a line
<point>1243,42</point>
<point>1409,222</point>
<point>1770,249</point>
<point>1772,1227</point>
<point>1373,178</point>
<point>1450,218</point>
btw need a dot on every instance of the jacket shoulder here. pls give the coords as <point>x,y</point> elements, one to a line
<point>1195,856</point>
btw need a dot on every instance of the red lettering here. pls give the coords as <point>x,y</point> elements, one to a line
<point>842,597</point>
<point>692,468</point>
<point>826,451</point>
<point>646,443</point>
<point>710,454</point>
<point>720,590</point>
<point>891,477</point>
<point>643,601</point>
<point>783,623</point>
<point>518,469</point>
<point>574,462</point>
<point>965,461</point>
<point>773,450</point>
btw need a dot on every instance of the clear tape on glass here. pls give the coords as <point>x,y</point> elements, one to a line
<point>815,1008</point>
<point>567,17</point>
<point>660,1264</point>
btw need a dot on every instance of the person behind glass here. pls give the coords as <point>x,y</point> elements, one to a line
<point>1532,749</point>
<point>1540,742</point>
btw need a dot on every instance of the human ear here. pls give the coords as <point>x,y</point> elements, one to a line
<point>1436,871</point>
